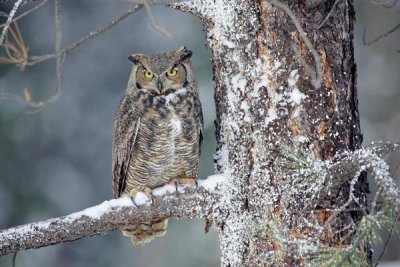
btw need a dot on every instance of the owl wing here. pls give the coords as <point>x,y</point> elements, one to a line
<point>126,127</point>
<point>199,116</point>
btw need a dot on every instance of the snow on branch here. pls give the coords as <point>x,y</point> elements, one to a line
<point>369,159</point>
<point>114,214</point>
<point>383,148</point>
<point>344,167</point>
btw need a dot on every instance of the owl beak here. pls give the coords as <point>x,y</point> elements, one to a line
<point>159,85</point>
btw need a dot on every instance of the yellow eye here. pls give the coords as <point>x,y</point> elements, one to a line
<point>148,74</point>
<point>172,73</point>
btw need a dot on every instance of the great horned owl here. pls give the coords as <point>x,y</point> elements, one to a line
<point>157,131</point>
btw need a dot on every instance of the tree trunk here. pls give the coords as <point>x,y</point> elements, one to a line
<point>286,104</point>
<point>268,99</point>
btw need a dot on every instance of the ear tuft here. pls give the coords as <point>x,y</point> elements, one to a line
<point>133,59</point>
<point>185,53</point>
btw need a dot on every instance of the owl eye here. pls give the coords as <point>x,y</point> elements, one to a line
<point>172,73</point>
<point>148,74</point>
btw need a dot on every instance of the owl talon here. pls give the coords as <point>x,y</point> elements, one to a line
<point>191,182</point>
<point>146,191</point>
<point>133,202</point>
<point>152,198</point>
<point>176,187</point>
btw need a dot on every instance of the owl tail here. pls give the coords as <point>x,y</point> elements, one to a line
<point>145,232</point>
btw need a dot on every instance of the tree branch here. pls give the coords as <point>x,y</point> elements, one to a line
<point>379,37</point>
<point>329,14</point>
<point>195,7</point>
<point>9,20</point>
<point>26,13</point>
<point>110,215</point>
<point>350,163</point>
<point>92,35</point>
<point>60,55</point>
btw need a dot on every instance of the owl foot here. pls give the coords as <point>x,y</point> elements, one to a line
<point>191,182</point>
<point>147,192</point>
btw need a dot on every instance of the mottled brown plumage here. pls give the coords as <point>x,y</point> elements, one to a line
<point>157,131</point>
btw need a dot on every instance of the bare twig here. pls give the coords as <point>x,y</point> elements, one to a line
<point>385,245</point>
<point>345,206</point>
<point>309,69</point>
<point>329,14</point>
<point>390,5</point>
<point>82,40</point>
<point>60,55</point>
<point>383,148</point>
<point>26,13</point>
<point>366,159</point>
<point>379,37</point>
<point>14,258</point>
<point>108,216</point>
<point>101,30</point>
<point>384,3</point>
<point>155,25</point>
<point>317,79</point>
<point>351,164</point>
<point>9,20</point>
<point>16,50</point>
<point>36,106</point>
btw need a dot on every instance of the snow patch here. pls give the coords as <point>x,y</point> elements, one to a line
<point>97,211</point>
<point>239,82</point>
<point>301,138</point>
<point>263,82</point>
<point>271,116</point>
<point>212,181</point>
<point>229,44</point>
<point>277,65</point>
<point>295,97</point>
<point>166,189</point>
<point>26,229</point>
<point>293,78</point>
<point>246,109</point>
<point>141,198</point>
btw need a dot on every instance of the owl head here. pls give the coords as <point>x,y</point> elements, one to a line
<point>161,74</point>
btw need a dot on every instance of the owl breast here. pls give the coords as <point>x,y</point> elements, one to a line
<point>167,142</point>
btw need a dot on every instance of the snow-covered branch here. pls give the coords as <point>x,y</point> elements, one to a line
<point>366,159</point>
<point>113,214</point>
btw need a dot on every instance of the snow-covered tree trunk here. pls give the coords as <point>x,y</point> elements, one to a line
<point>275,93</point>
<point>290,188</point>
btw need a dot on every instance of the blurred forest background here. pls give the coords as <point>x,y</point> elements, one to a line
<point>58,161</point>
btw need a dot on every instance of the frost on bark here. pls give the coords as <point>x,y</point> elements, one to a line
<point>287,123</point>
<point>267,101</point>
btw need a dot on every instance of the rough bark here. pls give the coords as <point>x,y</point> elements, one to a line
<point>266,98</point>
